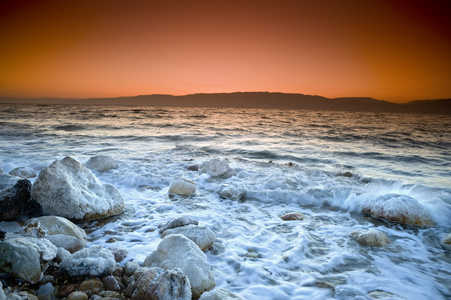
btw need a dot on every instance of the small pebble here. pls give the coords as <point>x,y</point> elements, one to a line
<point>77,296</point>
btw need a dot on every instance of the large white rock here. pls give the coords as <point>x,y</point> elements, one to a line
<point>26,257</point>
<point>219,294</point>
<point>61,232</point>
<point>177,251</point>
<point>182,186</point>
<point>157,283</point>
<point>216,167</point>
<point>372,238</point>
<point>68,189</point>
<point>23,172</point>
<point>201,235</point>
<point>95,261</point>
<point>398,208</point>
<point>101,163</point>
<point>232,190</point>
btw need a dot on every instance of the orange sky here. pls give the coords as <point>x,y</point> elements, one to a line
<point>391,50</point>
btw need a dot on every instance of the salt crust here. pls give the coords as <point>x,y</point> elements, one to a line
<point>95,261</point>
<point>201,235</point>
<point>24,256</point>
<point>398,208</point>
<point>157,283</point>
<point>61,232</point>
<point>216,167</point>
<point>101,163</point>
<point>219,294</point>
<point>68,189</point>
<point>232,190</point>
<point>177,251</point>
<point>177,222</point>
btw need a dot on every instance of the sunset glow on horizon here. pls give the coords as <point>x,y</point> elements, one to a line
<point>390,50</point>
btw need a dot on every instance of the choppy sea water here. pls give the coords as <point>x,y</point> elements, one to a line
<point>289,160</point>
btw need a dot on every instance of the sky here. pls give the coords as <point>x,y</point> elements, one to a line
<point>389,50</point>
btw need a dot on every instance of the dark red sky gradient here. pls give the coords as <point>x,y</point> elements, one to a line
<point>392,50</point>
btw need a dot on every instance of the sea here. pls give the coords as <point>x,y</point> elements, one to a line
<point>323,164</point>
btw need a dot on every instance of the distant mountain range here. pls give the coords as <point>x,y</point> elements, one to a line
<point>258,100</point>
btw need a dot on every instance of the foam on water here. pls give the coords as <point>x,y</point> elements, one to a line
<point>324,165</point>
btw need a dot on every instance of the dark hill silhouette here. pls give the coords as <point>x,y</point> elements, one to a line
<point>258,100</point>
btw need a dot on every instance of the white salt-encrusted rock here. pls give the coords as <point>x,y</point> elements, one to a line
<point>232,190</point>
<point>157,283</point>
<point>177,251</point>
<point>62,254</point>
<point>61,232</point>
<point>182,186</point>
<point>201,235</point>
<point>26,257</point>
<point>216,167</point>
<point>372,238</point>
<point>23,172</point>
<point>68,189</point>
<point>177,222</point>
<point>95,261</point>
<point>219,294</point>
<point>446,242</point>
<point>101,163</point>
<point>398,208</point>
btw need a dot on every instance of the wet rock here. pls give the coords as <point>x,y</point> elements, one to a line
<point>177,222</point>
<point>101,163</point>
<point>232,190</point>
<point>182,186</point>
<point>118,271</point>
<point>130,268</point>
<point>372,238</point>
<point>23,172</point>
<point>61,232</point>
<point>92,284</point>
<point>110,295</point>
<point>77,296</point>
<point>95,261</point>
<point>66,290</point>
<point>201,235</point>
<point>177,251</point>
<point>398,208</point>
<point>346,174</point>
<point>292,216</point>
<point>193,168</point>
<point>219,294</point>
<point>68,189</point>
<point>446,242</point>
<point>110,284</point>
<point>26,257</point>
<point>157,283</point>
<point>46,289</point>
<point>14,196</point>
<point>217,167</point>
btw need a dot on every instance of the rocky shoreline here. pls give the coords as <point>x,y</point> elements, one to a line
<point>44,253</point>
